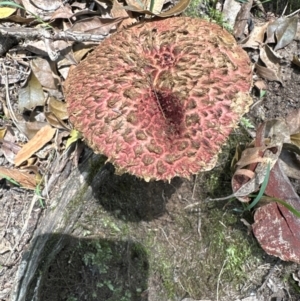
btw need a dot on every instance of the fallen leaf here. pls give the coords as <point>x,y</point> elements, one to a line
<point>95,25</point>
<point>19,19</point>
<point>270,59</point>
<point>8,144</point>
<point>39,48</point>
<point>31,9</point>
<point>289,163</point>
<point>2,132</point>
<point>275,227</point>
<point>256,37</point>
<point>252,166</point>
<point>296,60</point>
<point>272,29</point>
<point>260,85</point>
<point>74,136</point>
<point>145,5</point>
<point>31,95</point>
<point>63,12</point>
<point>47,5</point>
<point>29,129</point>
<point>267,73</point>
<point>119,11</point>
<point>44,72</point>
<point>42,137</point>
<point>58,108</point>
<point>286,31</point>
<point>176,9</point>
<point>56,122</point>
<point>6,12</point>
<point>23,178</point>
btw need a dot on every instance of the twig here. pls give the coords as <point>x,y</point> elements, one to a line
<point>41,33</point>
<point>294,13</point>
<point>11,111</point>
<point>219,277</point>
<point>268,276</point>
<point>167,238</point>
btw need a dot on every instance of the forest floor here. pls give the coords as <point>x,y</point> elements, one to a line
<point>132,240</point>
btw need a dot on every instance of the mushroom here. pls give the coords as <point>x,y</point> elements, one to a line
<point>159,99</point>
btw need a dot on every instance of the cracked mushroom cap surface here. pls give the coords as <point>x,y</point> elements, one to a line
<point>159,99</point>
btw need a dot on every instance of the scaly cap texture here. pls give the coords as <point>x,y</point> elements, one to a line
<point>159,99</point>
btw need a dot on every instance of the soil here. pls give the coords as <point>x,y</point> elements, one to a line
<point>120,238</point>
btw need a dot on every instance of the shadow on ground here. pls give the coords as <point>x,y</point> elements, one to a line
<point>132,199</point>
<point>90,269</point>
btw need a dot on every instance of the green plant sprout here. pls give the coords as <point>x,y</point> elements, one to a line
<point>9,179</point>
<point>262,188</point>
<point>262,93</point>
<point>261,195</point>
<point>37,190</point>
<point>246,123</point>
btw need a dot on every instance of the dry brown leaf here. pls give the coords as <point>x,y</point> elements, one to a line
<point>256,37</point>
<point>44,72</point>
<point>267,73</point>
<point>2,132</point>
<point>29,7</point>
<point>42,137</point>
<point>39,48</point>
<point>23,178</point>
<point>296,60</point>
<point>257,158</point>
<point>284,29</point>
<point>276,228</point>
<point>29,129</point>
<point>32,95</point>
<point>47,5</point>
<point>290,163</point>
<point>118,11</point>
<point>64,12</point>
<point>95,25</point>
<point>8,146</point>
<point>176,9</point>
<point>145,5</point>
<point>19,19</point>
<point>270,59</point>
<point>260,85</point>
<point>295,139</point>
<point>55,121</point>
<point>286,32</point>
<point>58,108</point>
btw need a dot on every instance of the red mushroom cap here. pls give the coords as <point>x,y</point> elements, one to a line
<point>159,99</point>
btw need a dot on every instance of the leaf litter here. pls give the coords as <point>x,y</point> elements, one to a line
<point>40,114</point>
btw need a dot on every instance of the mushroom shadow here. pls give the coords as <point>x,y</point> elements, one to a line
<point>132,199</point>
<point>90,269</point>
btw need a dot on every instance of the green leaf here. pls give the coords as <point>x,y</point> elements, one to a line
<point>74,136</point>
<point>262,188</point>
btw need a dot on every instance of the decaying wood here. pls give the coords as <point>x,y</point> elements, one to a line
<point>59,218</point>
<point>41,33</point>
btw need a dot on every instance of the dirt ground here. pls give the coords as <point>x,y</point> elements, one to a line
<point>132,240</point>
